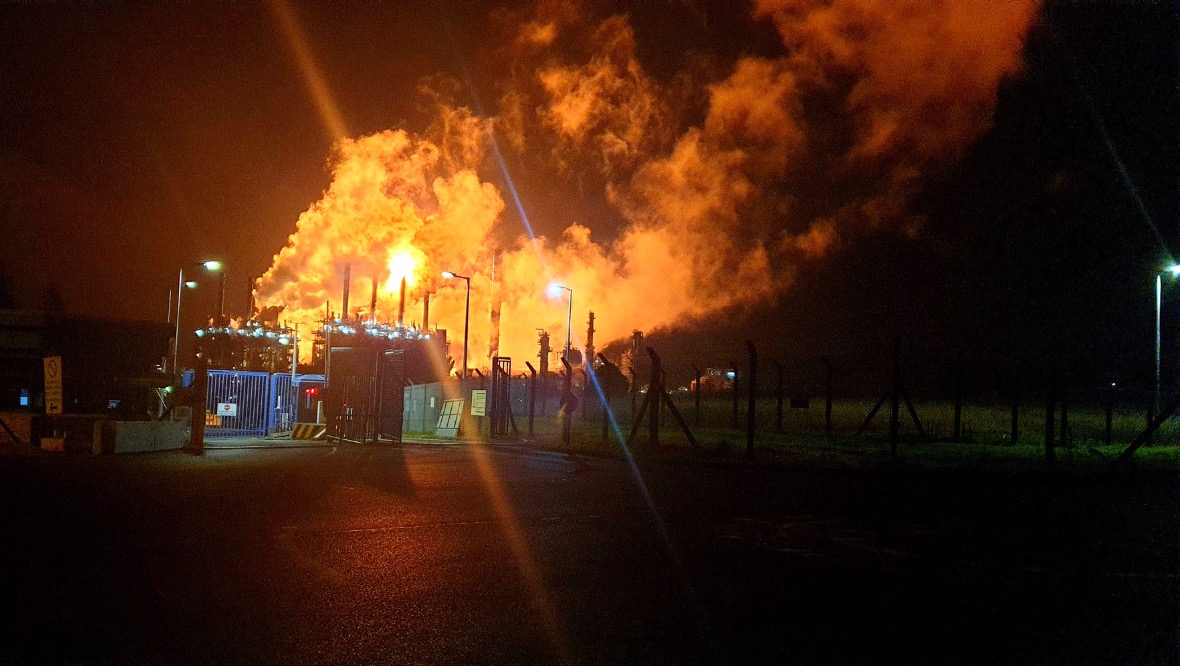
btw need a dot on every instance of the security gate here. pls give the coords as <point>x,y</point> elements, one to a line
<point>281,412</point>
<point>237,404</point>
<point>391,402</point>
<point>502,418</point>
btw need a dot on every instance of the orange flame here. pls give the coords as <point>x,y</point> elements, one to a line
<point>403,264</point>
<point>715,216</point>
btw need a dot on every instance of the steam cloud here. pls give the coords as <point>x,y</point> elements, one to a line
<point>830,140</point>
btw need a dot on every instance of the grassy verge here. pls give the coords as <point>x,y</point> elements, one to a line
<point>985,443</point>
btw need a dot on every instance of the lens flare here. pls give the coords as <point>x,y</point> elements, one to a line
<point>317,85</point>
<point>790,156</point>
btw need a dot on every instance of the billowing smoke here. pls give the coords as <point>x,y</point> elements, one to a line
<point>792,154</point>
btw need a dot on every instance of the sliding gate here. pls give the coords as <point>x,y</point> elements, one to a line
<point>238,404</point>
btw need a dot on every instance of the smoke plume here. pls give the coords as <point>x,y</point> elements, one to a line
<point>829,140</point>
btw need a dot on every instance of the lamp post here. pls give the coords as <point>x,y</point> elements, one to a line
<point>1174,269</point>
<point>180,286</point>
<point>466,314</point>
<point>555,290</point>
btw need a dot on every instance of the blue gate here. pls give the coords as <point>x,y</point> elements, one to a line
<point>284,408</point>
<point>238,403</point>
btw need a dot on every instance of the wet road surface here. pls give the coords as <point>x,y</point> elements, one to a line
<point>476,554</point>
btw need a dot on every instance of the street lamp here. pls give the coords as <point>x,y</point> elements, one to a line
<point>181,283</point>
<point>555,291</point>
<point>1174,269</point>
<point>466,314</point>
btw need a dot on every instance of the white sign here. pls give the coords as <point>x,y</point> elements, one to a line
<point>227,409</point>
<point>479,402</point>
<point>53,399</point>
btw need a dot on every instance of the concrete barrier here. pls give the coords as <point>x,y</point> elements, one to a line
<point>309,431</point>
<point>138,436</point>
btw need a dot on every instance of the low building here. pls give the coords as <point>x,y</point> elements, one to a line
<point>108,366</point>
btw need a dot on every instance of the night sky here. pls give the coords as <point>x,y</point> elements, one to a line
<point>137,137</point>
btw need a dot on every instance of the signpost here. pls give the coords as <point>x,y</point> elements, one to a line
<point>53,398</point>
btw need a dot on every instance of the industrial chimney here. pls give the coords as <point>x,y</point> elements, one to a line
<point>347,280</point>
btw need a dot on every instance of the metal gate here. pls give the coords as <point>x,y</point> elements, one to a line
<point>391,402</point>
<point>281,412</point>
<point>350,395</point>
<point>502,397</point>
<point>423,403</point>
<point>238,403</point>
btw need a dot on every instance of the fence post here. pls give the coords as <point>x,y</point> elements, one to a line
<point>827,397</point>
<point>734,420</point>
<point>778,409</point>
<point>634,390</point>
<point>1109,413</point>
<point>958,428</point>
<point>1050,456</point>
<point>585,390</point>
<point>567,399</point>
<point>1065,418</point>
<point>696,417</point>
<point>895,398</point>
<point>1015,434</point>
<point>201,393</point>
<point>532,395</point>
<point>607,387</point>
<point>751,389</point>
<point>655,393</point>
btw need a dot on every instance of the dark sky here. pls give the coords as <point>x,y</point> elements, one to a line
<point>136,137</point>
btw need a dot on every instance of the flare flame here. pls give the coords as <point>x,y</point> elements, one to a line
<point>792,154</point>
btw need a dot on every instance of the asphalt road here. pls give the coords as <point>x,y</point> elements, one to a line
<point>463,554</point>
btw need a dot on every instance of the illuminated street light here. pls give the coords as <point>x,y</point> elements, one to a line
<point>466,314</point>
<point>555,291</point>
<point>1174,269</point>
<point>181,283</point>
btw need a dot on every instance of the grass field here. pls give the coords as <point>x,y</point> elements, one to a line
<point>985,442</point>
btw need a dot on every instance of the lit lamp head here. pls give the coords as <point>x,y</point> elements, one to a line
<point>448,275</point>
<point>190,284</point>
<point>212,265</point>
<point>1174,269</point>
<point>555,290</point>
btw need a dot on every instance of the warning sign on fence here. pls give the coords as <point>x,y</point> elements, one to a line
<point>479,402</point>
<point>227,409</point>
<point>53,399</point>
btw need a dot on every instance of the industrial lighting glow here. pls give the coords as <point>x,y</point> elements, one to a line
<point>1174,269</point>
<point>212,265</point>
<point>555,290</point>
